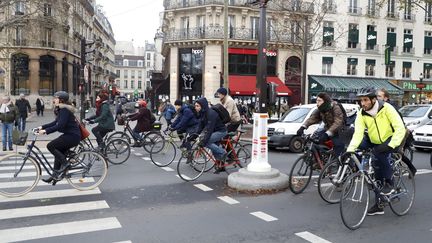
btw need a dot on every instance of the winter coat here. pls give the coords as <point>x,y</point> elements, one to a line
<point>231,107</point>
<point>39,105</point>
<point>65,121</point>
<point>387,123</point>
<point>23,107</point>
<point>143,118</point>
<point>333,119</point>
<point>169,112</point>
<point>209,121</point>
<point>10,117</point>
<point>105,118</point>
<point>186,120</point>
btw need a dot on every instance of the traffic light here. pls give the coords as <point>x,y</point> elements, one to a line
<point>271,93</point>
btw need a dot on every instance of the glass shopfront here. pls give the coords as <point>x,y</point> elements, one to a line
<point>190,74</point>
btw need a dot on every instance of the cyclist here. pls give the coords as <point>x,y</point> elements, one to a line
<point>332,115</point>
<point>231,107</point>
<point>103,117</point>
<point>186,122</point>
<point>168,112</point>
<point>144,121</point>
<point>384,95</point>
<point>212,130</point>
<point>385,133</point>
<point>65,122</point>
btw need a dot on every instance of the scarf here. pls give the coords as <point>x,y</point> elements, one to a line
<point>374,110</point>
<point>98,107</point>
<point>4,108</point>
<point>324,107</point>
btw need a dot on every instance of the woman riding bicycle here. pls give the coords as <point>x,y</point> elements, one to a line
<point>103,117</point>
<point>144,121</point>
<point>65,123</point>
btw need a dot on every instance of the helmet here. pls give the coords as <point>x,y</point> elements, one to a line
<point>367,92</point>
<point>62,95</point>
<point>140,103</point>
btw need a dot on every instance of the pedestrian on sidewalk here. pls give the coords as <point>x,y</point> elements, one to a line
<point>40,106</point>
<point>23,107</point>
<point>9,117</point>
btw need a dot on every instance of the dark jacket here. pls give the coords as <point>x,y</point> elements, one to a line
<point>39,105</point>
<point>23,107</point>
<point>10,117</point>
<point>186,120</point>
<point>209,121</point>
<point>65,121</point>
<point>333,119</point>
<point>143,118</point>
<point>105,119</point>
<point>169,112</point>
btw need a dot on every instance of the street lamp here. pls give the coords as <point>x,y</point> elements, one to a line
<point>420,85</point>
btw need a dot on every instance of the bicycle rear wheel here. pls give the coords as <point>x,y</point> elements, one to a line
<point>88,170</point>
<point>243,156</point>
<point>25,179</point>
<point>192,165</point>
<point>401,201</point>
<point>354,201</point>
<point>150,139</point>
<point>165,155</point>
<point>117,151</point>
<point>300,174</point>
<point>331,180</point>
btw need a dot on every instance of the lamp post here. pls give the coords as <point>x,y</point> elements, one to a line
<point>420,86</point>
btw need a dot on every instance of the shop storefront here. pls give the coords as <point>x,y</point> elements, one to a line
<point>190,76</point>
<point>416,92</point>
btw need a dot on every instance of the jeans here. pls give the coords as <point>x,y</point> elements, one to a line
<point>338,145</point>
<point>216,137</point>
<point>59,146</point>
<point>136,135</point>
<point>22,123</point>
<point>99,133</point>
<point>7,134</point>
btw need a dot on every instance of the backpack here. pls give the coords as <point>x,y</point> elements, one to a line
<point>345,117</point>
<point>223,113</point>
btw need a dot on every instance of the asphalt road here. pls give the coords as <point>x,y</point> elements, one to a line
<point>139,202</point>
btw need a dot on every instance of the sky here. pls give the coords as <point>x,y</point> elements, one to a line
<point>135,20</point>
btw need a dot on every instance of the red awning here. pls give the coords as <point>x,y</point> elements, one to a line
<point>246,85</point>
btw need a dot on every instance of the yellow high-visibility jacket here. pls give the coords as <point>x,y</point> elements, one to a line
<point>387,123</point>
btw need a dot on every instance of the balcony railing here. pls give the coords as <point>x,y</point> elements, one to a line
<point>45,43</point>
<point>392,15</point>
<point>408,51</point>
<point>354,10</point>
<point>409,17</point>
<point>428,19</point>
<point>20,42</point>
<point>373,12</point>
<point>328,8</point>
<point>371,48</point>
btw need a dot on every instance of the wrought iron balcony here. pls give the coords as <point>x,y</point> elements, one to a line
<point>45,43</point>
<point>328,8</point>
<point>392,15</point>
<point>373,12</point>
<point>409,17</point>
<point>354,10</point>
<point>20,42</point>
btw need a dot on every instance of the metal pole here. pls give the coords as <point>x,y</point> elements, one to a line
<point>225,46</point>
<point>261,75</point>
<point>304,96</point>
<point>82,84</point>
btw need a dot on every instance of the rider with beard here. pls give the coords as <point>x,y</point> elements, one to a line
<point>385,132</point>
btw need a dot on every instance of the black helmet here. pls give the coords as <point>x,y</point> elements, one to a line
<point>367,92</point>
<point>62,95</point>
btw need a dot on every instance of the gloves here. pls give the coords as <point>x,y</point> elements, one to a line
<point>345,156</point>
<point>91,121</point>
<point>300,131</point>
<point>382,148</point>
<point>324,137</point>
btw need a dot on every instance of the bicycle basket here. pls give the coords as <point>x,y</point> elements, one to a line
<point>18,137</point>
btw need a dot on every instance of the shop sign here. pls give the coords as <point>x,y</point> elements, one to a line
<point>416,86</point>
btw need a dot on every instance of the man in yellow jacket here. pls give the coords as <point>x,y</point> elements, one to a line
<point>385,132</point>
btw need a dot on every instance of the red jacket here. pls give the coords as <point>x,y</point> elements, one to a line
<point>143,118</point>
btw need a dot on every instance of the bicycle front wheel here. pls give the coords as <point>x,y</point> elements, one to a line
<point>354,201</point>
<point>163,154</point>
<point>14,181</point>
<point>402,200</point>
<point>331,180</point>
<point>88,170</point>
<point>300,174</point>
<point>150,139</point>
<point>243,156</point>
<point>192,165</point>
<point>119,135</point>
<point>117,151</point>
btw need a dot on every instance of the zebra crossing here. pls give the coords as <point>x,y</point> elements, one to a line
<point>51,203</point>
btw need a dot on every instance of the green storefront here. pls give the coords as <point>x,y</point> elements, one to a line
<point>412,91</point>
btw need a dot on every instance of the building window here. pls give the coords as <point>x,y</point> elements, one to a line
<point>246,64</point>
<point>47,9</point>
<point>139,74</point>
<point>118,73</point>
<point>20,74</point>
<point>407,41</point>
<point>370,67</point>
<point>139,84</point>
<point>371,38</point>
<point>352,66</point>
<point>132,84</point>
<point>200,26</point>
<point>372,9</point>
<point>19,8</point>
<point>125,62</point>
<point>327,63</point>
<point>428,13</point>
<point>132,73</point>
<point>353,36</point>
<point>19,40</point>
<point>352,7</point>
<point>184,28</point>
<point>391,38</point>
<point>231,26</point>
<point>391,12</point>
<point>427,70</point>
<point>428,42</point>
<point>328,33</point>
<point>254,28</point>
<point>148,55</point>
<point>47,38</point>
<point>47,66</point>
<point>148,74</point>
<point>407,10</point>
<point>125,84</point>
<point>406,70</point>
<point>389,70</point>
<point>125,73</point>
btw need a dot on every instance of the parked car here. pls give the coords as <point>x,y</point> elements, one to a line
<point>284,132</point>
<point>415,116</point>
<point>423,137</point>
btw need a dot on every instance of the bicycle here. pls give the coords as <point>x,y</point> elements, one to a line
<point>164,152</point>
<point>116,150</point>
<point>194,163</point>
<point>315,156</point>
<point>87,170</point>
<point>148,138</point>
<point>358,185</point>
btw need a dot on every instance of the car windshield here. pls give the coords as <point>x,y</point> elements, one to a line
<point>295,115</point>
<point>414,111</point>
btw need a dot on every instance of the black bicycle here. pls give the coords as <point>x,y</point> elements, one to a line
<point>21,172</point>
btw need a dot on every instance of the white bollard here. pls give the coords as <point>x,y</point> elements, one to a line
<point>259,161</point>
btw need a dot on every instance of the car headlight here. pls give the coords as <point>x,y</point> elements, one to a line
<point>279,131</point>
<point>413,123</point>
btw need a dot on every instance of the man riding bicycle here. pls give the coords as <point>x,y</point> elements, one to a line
<point>385,132</point>
<point>186,122</point>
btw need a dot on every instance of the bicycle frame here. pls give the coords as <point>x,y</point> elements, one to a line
<point>38,156</point>
<point>311,148</point>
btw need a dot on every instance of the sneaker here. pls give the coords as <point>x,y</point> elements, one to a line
<point>387,189</point>
<point>10,149</point>
<point>375,210</point>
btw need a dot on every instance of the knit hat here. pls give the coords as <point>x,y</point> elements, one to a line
<point>178,102</point>
<point>222,91</point>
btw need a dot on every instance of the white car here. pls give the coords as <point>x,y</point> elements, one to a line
<point>423,137</point>
<point>415,116</point>
<point>284,132</point>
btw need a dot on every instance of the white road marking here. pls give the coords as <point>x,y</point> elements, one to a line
<point>228,200</point>
<point>169,169</point>
<point>138,154</point>
<point>311,237</point>
<point>123,241</point>
<point>50,194</point>
<point>264,216</point>
<point>21,174</point>
<point>58,229</point>
<point>423,171</point>
<point>13,162</point>
<point>16,184</point>
<point>146,158</point>
<point>52,209</point>
<point>203,187</point>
